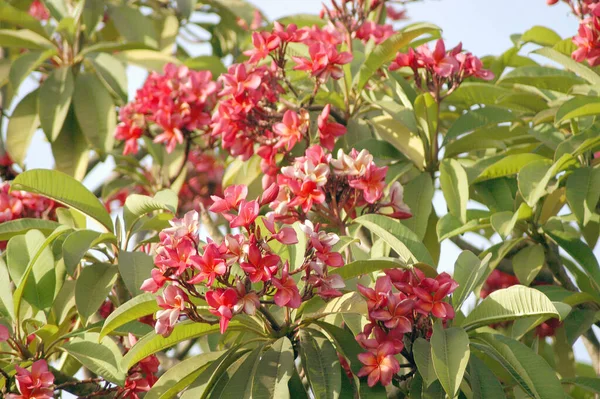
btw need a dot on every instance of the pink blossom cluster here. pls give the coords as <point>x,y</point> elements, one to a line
<point>327,186</point>
<point>141,377</point>
<point>587,39</point>
<point>204,178</point>
<point>434,69</point>
<point>169,107</point>
<point>20,204</point>
<point>38,10</point>
<point>206,271</point>
<point>35,384</point>
<point>402,302</point>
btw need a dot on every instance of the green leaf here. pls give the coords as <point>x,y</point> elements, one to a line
<point>17,17</point>
<point>6,298</point>
<point>22,125</point>
<point>542,78</point>
<point>75,247</point>
<point>147,59</point>
<point>111,73</point>
<point>426,112</point>
<point>583,193</point>
<point>401,137</point>
<point>529,370</point>
<point>24,38</point>
<point>387,50</point>
<point>70,149</point>
<point>25,64</point>
<point>180,376</point>
<point>137,205</point>
<point>450,354</point>
<point>570,64</point>
<point>477,119</point>
<point>320,363</point>
<point>504,222</point>
<point>423,358</point>
<point>399,237</point>
<point>54,100</point>
<point>484,383</point>
<point>507,166</point>
<point>95,114</point>
<point>540,35</point>
<point>210,63</point>
<point>274,371</point>
<point>152,342</point>
<point>582,253</point>
<point>135,308</point>
<point>133,25</point>
<point>528,262</point>
<point>100,356</point>
<point>577,107</point>
<point>65,190</point>
<point>469,272</point>
<point>21,226</point>
<point>587,383</point>
<point>509,304</point>
<point>367,266</point>
<point>418,195</point>
<point>449,226</point>
<point>93,286</point>
<point>134,268</point>
<point>236,382</point>
<point>455,186</point>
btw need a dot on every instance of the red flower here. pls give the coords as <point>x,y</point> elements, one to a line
<point>287,291</point>
<point>260,267</point>
<point>431,293</point>
<point>329,131</point>
<point>290,130</point>
<point>34,384</point>
<point>247,213</point>
<point>395,315</point>
<point>210,265</point>
<point>263,43</point>
<point>324,62</point>
<point>221,302</point>
<point>379,366</point>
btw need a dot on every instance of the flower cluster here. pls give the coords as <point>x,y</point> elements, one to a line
<point>326,185</point>
<point>35,384</point>
<point>21,204</point>
<point>168,108</point>
<point>203,178</point>
<point>434,69</point>
<point>499,280</point>
<point>587,39</point>
<point>402,302</point>
<point>206,271</point>
<point>141,377</point>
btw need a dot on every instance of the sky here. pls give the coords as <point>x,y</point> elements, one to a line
<point>483,26</point>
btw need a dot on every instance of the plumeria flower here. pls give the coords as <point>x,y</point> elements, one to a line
<point>4,333</point>
<point>209,265</point>
<point>260,267</point>
<point>431,294</point>
<point>290,130</point>
<point>34,384</point>
<point>379,366</point>
<point>248,301</point>
<point>287,291</point>
<point>173,302</point>
<point>221,302</point>
<point>186,226</point>
<point>329,131</point>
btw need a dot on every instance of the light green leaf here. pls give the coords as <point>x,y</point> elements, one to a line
<point>484,383</point>
<point>455,186</point>
<point>418,195</point>
<point>147,59</point>
<point>583,192</point>
<point>509,304</point>
<point>570,64</point>
<point>210,63</point>
<point>534,177</point>
<point>21,226</point>
<point>238,384</point>
<point>542,78</point>
<point>133,25</point>
<point>508,165</point>
<point>401,137</point>
<point>345,343</point>
<point>321,364</point>
<point>540,35</point>
<point>111,73</point>
<point>449,226</point>
<point>399,237</point>
<point>450,355</point>
<point>367,266</point>
<point>528,262</point>
<point>75,247</point>
<point>54,99</point>
<point>426,112</point>
<point>588,383</point>
<point>19,18</point>
<point>274,371</point>
<point>135,308</point>
<point>25,64</point>
<point>469,272</point>
<point>6,298</point>
<point>22,124</point>
<point>100,356</point>
<point>95,114</point>
<point>65,190</point>
<point>70,149</point>
<point>423,358</point>
<point>529,370</point>
<point>93,286</point>
<point>134,268</point>
<point>477,119</point>
<point>577,107</point>
<point>137,205</point>
<point>504,222</point>
<point>24,38</point>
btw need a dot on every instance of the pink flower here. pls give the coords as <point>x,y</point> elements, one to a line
<point>173,302</point>
<point>396,315</point>
<point>233,196</point>
<point>38,11</point>
<point>442,63</point>
<point>175,255</point>
<point>221,302</point>
<point>378,297</point>
<point>34,384</point>
<point>248,301</point>
<point>263,43</point>
<point>247,214</point>
<point>329,131</point>
<point>156,281</point>
<point>380,366</point>
<point>4,333</point>
<point>396,201</point>
<point>431,293</point>
<point>210,265</point>
<point>290,130</point>
<point>324,62</point>
<point>372,183</point>
<point>287,291</point>
<point>260,267</point>
<point>186,226</point>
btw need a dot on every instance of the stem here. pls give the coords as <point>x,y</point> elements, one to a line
<point>270,318</point>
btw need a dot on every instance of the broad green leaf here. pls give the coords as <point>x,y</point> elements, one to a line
<point>95,114</point>
<point>455,186</point>
<point>450,355</point>
<point>274,371</point>
<point>582,253</point>
<point>22,124</point>
<point>180,376</point>
<point>477,119</point>
<point>449,226</point>
<point>542,78</point>
<point>152,342</point>
<point>137,205</point>
<point>21,226</point>
<point>54,99</point>
<point>587,383</point>
<point>147,59</point>
<point>399,237</point>
<point>422,354</point>
<point>469,272</point>
<point>65,190</point>
<point>70,149</point>
<point>100,356</point>
<point>17,17</point>
<point>321,364</point>
<point>528,262</point>
<point>577,107</point>
<point>210,63</point>
<point>509,304</point>
<point>93,286</point>
<point>133,25</point>
<point>507,166</point>
<point>75,247</point>
<point>367,266</point>
<point>19,291</point>
<point>6,299</point>
<point>540,35</point>
<point>401,137</point>
<point>134,268</point>
<point>534,177</point>
<point>239,383</point>
<point>426,112</point>
<point>484,383</point>
<point>387,50</point>
<point>504,222</point>
<point>24,38</point>
<point>25,64</point>
<point>579,68</point>
<point>529,370</point>
<point>111,73</point>
<point>418,195</point>
<point>135,308</point>
<point>583,192</point>
<point>112,47</point>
